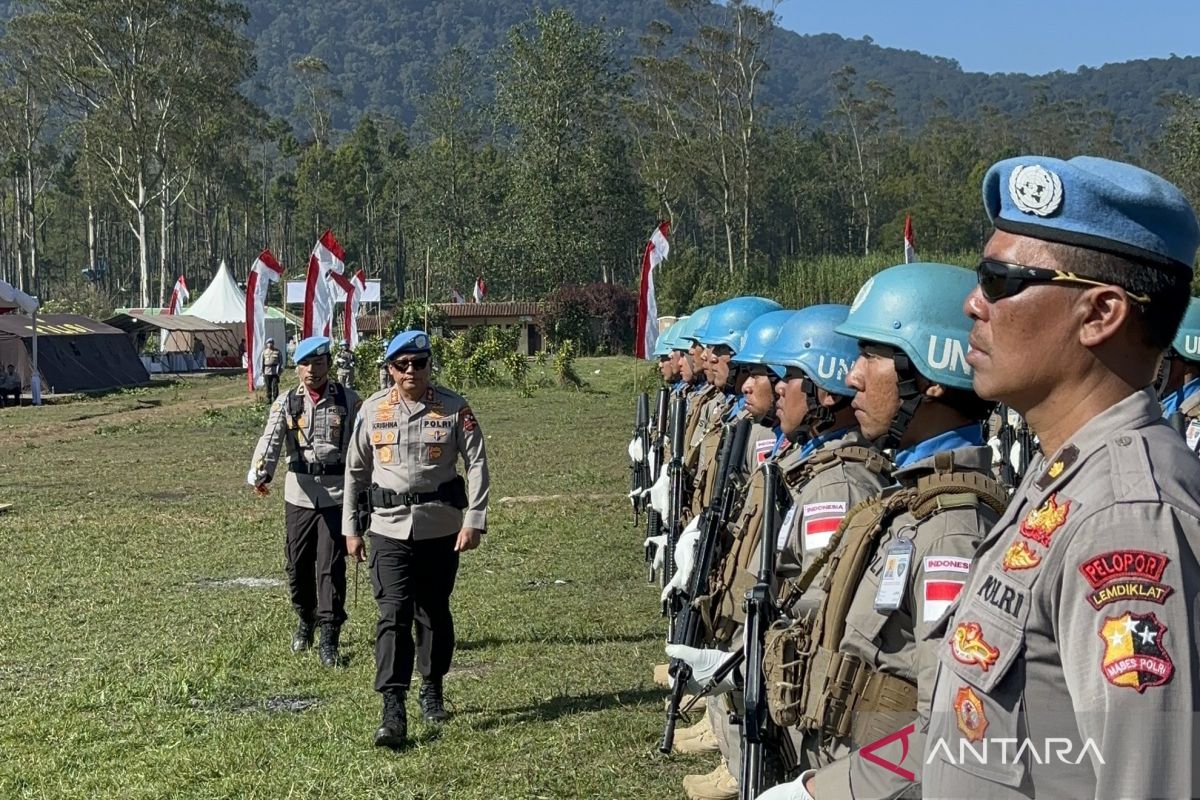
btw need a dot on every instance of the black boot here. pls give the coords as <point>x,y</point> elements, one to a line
<point>330,634</point>
<point>394,728</point>
<point>433,705</point>
<point>302,639</point>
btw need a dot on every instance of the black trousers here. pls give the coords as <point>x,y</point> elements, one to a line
<point>316,563</point>
<point>10,397</point>
<point>272,382</point>
<point>413,580</point>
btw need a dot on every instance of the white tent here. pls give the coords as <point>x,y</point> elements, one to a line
<point>225,304</point>
<point>13,298</point>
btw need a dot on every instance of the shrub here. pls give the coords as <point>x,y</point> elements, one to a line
<point>599,318</point>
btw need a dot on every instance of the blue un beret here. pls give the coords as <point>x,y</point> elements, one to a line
<point>1096,203</point>
<point>312,346</point>
<point>407,342</point>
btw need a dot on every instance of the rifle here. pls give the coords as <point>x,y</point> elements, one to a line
<point>759,607</point>
<point>653,519</point>
<point>675,509</point>
<point>637,468</point>
<point>1008,437</point>
<point>1026,446</point>
<point>687,628</point>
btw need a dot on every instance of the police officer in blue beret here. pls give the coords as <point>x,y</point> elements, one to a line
<point>309,428</point>
<point>403,493</point>
<point>1070,659</point>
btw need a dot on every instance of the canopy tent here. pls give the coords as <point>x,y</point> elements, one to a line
<point>13,299</point>
<point>178,334</point>
<point>77,353</point>
<point>225,305</point>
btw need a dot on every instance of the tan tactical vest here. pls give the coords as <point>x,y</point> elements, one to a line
<point>810,684</point>
<point>707,455</point>
<point>721,609</point>
<point>695,413</point>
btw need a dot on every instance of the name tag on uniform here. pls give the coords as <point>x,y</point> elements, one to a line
<point>789,520</point>
<point>894,579</point>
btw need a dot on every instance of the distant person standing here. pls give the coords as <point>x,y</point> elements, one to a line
<point>10,387</point>
<point>309,427</point>
<point>272,366</point>
<point>420,516</point>
<point>344,364</point>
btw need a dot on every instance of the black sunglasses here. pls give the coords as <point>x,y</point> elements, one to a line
<point>999,279</point>
<point>416,364</point>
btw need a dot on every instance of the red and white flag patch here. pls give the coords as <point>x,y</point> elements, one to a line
<point>762,450</point>
<point>820,521</point>
<point>939,595</point>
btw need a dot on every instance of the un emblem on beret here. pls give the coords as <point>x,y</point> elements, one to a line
<point>421,342</point>
<point>1035,190</point>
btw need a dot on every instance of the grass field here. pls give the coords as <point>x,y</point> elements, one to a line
<point>129,668</point>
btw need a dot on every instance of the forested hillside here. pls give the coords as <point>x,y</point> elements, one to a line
<point>442,141</point>
<point>383,53</point>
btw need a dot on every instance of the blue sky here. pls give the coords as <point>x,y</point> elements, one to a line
<point>1011,36</point>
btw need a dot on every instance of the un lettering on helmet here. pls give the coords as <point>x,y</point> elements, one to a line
<point>953,355</point>
<point>1191,345</point>
<point>830,368</point>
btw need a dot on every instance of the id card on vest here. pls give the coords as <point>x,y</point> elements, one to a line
<point>894,578</point>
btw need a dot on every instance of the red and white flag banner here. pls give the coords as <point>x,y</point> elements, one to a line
<point>657,250</point>
<point>263,273</point>
<point>910,247</point>
<point>327,258</point>
<point>354,288</point>
<point>480,290</point>
<point>179,297</point>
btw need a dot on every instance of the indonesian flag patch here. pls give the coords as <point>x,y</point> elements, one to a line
<point>939,595</point>
<point>820,521</point>
<point>762,450</point>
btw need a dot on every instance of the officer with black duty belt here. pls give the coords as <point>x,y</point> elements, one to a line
<point>403,491</point>
<point>310,425</point>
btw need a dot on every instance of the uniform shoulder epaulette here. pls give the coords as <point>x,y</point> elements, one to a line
<point>382,393</point>
<point>1129,468</point>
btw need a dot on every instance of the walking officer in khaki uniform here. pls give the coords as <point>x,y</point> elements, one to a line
<point>309,427</point>
<point>404,493</point>
<point>1070,666</point>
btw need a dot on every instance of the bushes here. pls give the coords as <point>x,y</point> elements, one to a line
<point>600,318</point>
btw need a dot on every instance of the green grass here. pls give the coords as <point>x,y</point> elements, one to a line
<point>125,674</point>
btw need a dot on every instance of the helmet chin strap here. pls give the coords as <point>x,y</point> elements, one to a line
<point>1164,374</point>
<point>910,399</point>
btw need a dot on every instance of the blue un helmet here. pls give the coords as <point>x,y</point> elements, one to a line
<point>727,322</point>
<point>1187,339</point>
<point>667,340</point>
<point>760,337</point>
<point>698,319</point>
<point>917,309</point>
<point>808,342</point>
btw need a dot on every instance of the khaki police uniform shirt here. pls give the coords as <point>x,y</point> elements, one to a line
<point>408,446</point>
<point>320,429</point>
<point>895,642</point>
<point>1079,622</point>
<point>272,361</point>
<point>759,446</point>
<point>820,503</point>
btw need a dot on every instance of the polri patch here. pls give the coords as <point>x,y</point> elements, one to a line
<point>1135,653</point>
<point>968,646</point>
<point>1126,575</point>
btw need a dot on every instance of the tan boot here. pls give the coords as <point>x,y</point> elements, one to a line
<point>699,738</point>
<point>661,676</point>
<point>700,706</point>
<point>716,785</point>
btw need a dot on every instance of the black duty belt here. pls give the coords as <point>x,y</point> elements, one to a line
<point>452,492</point>
<point>306,468</point>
